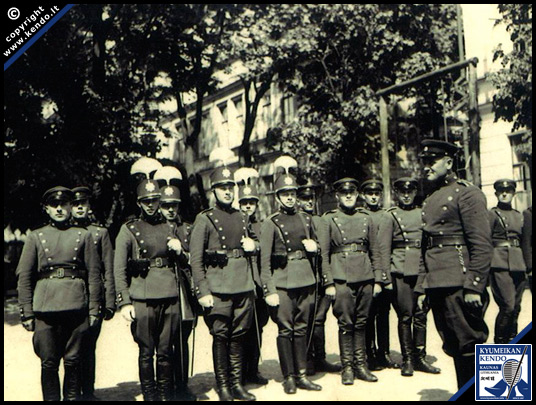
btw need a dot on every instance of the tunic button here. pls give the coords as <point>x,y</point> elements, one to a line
<point>216,221</point>
<point>137,234</point>
<point>440,245</point>
<point>75,249</point>
<point>477,278</point>
<point>220,228</point>
<point>450,198</point>
<point>445,208</point>
<point>47,249</point>
<point>144,250</point>
<point>441,232</point>
<point>288,241</point>
<point>44,241</point>
<point>49,259</point>
<point>74,258</point>
<point>475,283</point>
<point>282,225</point>
<point>344,238</point>
<point>223,237</point>
<point>141,241</point>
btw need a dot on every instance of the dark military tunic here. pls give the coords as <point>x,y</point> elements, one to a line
<point>456,210</point>
<point>507,278</point>
<point>526,242</point>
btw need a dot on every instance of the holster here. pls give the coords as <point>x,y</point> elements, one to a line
<point>138,268</point>
<point>279,260</point>
<point>216,258</point>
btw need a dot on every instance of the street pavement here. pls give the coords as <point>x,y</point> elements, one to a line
<point>117,365</point>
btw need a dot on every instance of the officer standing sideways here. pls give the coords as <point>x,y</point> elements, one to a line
<point>526,242</point>
<point>170,198</point>
<point>378,357</point>
<point>219,247</point>
<point>146,249</point>
<point>507,277</point>
<point>316,356</point>
<point>399,239</point>
<point>457,257</point>
<point>101,238</point>
<point>289,250</point>
<point>349,252</point>
<point>58,282</point>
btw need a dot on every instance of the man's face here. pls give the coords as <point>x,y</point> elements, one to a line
<point>224,194</point>
<point>307,203</point>
<point>248,206</point>
<point>436,168</point>
<point>149,205</point>
<point>287,198</point>
<point>169,210</point>
<point>372,197</point>
<point>347,198</point>
<point>406,197</point>
<point>58,211</point>
<point>80,209</point>
<point>505,196</point>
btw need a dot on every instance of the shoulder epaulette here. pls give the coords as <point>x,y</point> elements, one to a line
<point>363,211</point>
<point>391,209</point>
<point>275,214</point>
<point>464,183</point>
<point>207,210</point>
<point>329,212</point>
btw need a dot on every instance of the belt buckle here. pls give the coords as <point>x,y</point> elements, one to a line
<point>60,273</point>
<point>417,243</point>
<point>159,262</point>
<point>299,254</point>
<point>353,247</point>
<point>236,253</point>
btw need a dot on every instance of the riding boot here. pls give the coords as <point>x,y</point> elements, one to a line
<point>406,346</point>
<point>286,361</point>
<point>300,362</point>
<point>361,371</point>
<point>320,362</point>
<point>236,358</point>
<point>346,348</point>
<point>71,383</point>
<point>465,369</point>
<point>164,378</point>
<point>50,384</point>
<point>147,381</point>
<point>220,356</point>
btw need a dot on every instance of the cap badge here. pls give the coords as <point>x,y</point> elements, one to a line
<point>149,187</point>
<point>226,173</point>
<point>168,191</point>
<point>288,181</point>
<point>247,190</point>
<point>426,148</point>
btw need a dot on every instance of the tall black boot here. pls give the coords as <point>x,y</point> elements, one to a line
<point>346,348</point>
<point>220,356</point>
<point>236,358</point>
<point>50,384</point>
<point>300,363</point>
<point>320,362</point>
<point>465,369</point>
<point>164,378</point>
<point>71,383</point>
<point>361,371</point>
<point>371,349</point>
<point>147,380</point>
<point>406,346</point>
<point>286,361</point>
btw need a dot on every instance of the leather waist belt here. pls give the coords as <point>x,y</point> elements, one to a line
<point>439,241</point>
<point>231,253</point>
<point>297,255</point>
<point>410,243</point>
<point>351,247</point>
<point>62,272</point>
<point>510,242</point>
<point>160,262</point>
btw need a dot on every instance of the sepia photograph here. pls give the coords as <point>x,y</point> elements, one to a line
<point>267,202</point>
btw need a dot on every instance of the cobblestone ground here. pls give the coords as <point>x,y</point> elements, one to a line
<point>117,373</point>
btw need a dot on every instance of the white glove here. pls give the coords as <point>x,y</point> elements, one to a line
<point>128,312</point>
<point>272,300</point>
<point>248,244</point>
<point>331,292</point>
<point>207,301</point>
<point>175,244</point>
<point>310,245</point>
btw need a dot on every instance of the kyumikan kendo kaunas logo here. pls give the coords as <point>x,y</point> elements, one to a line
<point>503,372</point>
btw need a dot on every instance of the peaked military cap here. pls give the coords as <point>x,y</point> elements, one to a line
<point>220,176</point>
<point>285,181</point>
<point>372,184</point>
<point>504,184</point>
<point>248,192</point>
<point>170,194</point>
<point>148,188</point>
<point>81,193</point>
<point>406,183</point>
<point>434,148</point>
<point>58,193</point>
<point>307,190</point>
<point>346,184</point>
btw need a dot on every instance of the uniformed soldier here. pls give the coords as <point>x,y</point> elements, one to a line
<point>58,282</point>
<point>289,250</point>
<point>526,242</point>
<point>349,252</point>
<point>145,252</point>
<point>221,241</point>
<point>248,199</point>
<point>378,357</point>
<point>101,238</point>
<point>399,239</point>
<point>507,277</point>
<point>316,356</point>
<point>457,256</point>
<point>170,198</point>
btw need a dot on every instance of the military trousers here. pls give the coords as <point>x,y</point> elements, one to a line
<point>88,359</point>
<point>352,305</point>
<point>231,316</point>
<point>460,326</point>
<point>405,305</point>
<point>378,322</point>
<point>294,314</point>
<point>253,337</point>
<point>507,288</point>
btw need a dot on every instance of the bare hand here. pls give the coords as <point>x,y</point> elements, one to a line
<point>377,290</point>
<point>272,300</point>
<point>207,301</point>
<point>248,244</point>
<point>388,287</point>
<point>420,301</point>
<point>128,312</point>
<point>310,245</point>
<point>93,320</point>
